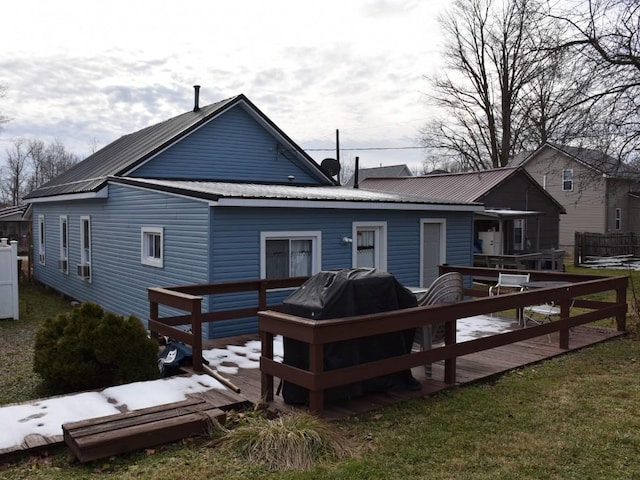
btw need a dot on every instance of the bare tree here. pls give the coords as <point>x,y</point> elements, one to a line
<point>606,36</point>
<point>48,161</point>
<point>14,178</point>
<point>493,51</point>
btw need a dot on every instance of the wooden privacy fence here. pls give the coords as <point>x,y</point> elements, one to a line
<point>317,333</point>
<point>605,245</point>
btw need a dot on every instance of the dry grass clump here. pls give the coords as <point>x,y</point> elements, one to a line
<point>295,441</point>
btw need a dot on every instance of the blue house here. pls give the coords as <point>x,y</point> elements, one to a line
<point>217,194</point>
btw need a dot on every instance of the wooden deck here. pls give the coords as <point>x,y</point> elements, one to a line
<point>470,368</point>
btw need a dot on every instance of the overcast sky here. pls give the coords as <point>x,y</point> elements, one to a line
<point>88,72</point>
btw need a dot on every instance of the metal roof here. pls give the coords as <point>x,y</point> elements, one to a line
<point>13,213</point>
<point>124,154</point>
<point>460,187</point>
<point>384,171</point>
<point>217,191</point>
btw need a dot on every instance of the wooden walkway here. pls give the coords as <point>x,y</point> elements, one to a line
<point>471,368</point>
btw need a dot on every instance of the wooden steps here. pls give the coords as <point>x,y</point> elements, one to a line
<point>102,437</point>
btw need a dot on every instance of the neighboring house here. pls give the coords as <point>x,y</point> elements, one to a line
<point>598,194</point>
<point>386,171</point>
<point>217,194</point>
<point>519,215</point>
<point>14,226</point>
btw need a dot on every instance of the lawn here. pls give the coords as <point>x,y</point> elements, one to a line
<point>573,417</point>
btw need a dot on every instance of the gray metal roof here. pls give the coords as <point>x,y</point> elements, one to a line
<point>459,187</point>
<point>13,213</point>
<point>129,151</point>
<point>215,191</point>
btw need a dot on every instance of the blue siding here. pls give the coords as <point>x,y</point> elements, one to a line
<point>236,244</point>
<point>231,147</point>
<point>119,280</point>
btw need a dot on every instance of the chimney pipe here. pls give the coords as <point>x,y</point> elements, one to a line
<point>355,173</point>
<point>196,100</point>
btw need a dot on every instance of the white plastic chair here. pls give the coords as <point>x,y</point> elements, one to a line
<point>509,283</point>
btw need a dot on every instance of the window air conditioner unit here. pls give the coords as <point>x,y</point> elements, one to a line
<point>62,265</point>
<point>84,271</point>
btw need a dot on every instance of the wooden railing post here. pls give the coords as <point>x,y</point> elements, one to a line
<point>153,313</point>
<point>565,311</point>
<point>621,318</point>
<point>196,329</point>
<point>316,365</point>
<point>266,340</point>
<point>450,363</point>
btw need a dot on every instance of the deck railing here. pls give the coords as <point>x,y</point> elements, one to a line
<point>188,298</point>
<point>574,310</point>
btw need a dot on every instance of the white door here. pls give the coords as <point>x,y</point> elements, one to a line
<point>433,251</point>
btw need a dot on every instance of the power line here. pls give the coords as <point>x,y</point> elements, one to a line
<point>356,149</point>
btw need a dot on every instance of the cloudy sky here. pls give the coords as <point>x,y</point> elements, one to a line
<point>87,72</point>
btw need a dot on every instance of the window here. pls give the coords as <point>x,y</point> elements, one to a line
<point>41,239</point>
<point>84,269</point>
<point>152,246</point>
<point>63,264</point>
<point>567,180</point>
<point>518,234</point>
<point>369,245</point>
<point>289,254</point>
<point>618,218</point>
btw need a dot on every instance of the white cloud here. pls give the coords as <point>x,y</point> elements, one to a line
<point>79,71</point>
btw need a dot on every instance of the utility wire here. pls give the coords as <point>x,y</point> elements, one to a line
<point>364,148</point>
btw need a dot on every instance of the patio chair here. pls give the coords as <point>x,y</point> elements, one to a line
<point>509,283</point>
<point>446,288</point>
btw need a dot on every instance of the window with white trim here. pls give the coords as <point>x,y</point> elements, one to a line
<point>567,180</point>
<point>63,264</point>
<point>289,254</point>
<point>618,219</point>
<point>152,246</point>
<point>369,245</point>
<point>41,240</point>
<point>85,248</point>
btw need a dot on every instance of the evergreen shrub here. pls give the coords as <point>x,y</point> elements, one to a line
<point>88,348</point>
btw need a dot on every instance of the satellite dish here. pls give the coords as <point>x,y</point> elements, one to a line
<point>331,166</point>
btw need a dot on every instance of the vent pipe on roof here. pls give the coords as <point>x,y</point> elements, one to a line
<point>355,173</point>
<point>196,100</point>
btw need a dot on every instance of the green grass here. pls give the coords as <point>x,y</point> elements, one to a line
<point>572,417</point>
<point>17,380</point>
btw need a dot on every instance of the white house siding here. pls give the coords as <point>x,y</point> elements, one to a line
<point>585,205</point>
<point>236,244</point>
<point>233,147</point>
<point>119,281</point>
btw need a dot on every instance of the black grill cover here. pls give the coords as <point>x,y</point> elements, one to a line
<point>344,293</point>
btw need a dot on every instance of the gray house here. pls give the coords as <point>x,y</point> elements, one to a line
<point>217,194</point>
<point>599,194</point>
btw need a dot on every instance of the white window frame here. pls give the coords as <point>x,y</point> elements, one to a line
<point>86,255</point>
<point>41,240</point>
<point>569,173</point>
<point>618,219</point>
<point>64,244</point>
<point>147,257</point>
<point>380,243</point>
<point>316,246</point>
